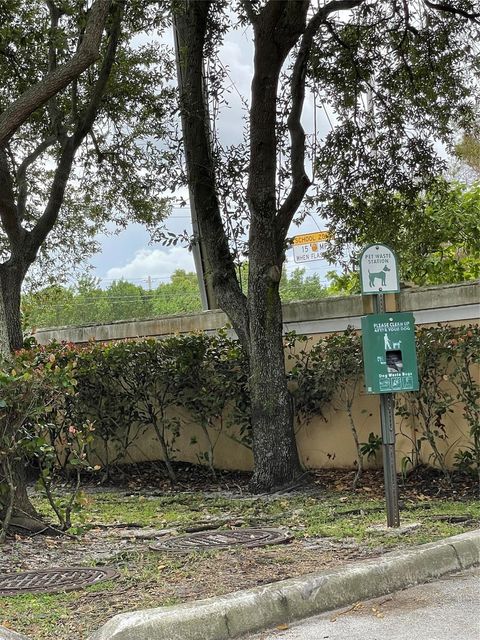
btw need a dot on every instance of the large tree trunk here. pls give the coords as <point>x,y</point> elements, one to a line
<point>23,510</point>
<point>12,274</point>
<point>258,319</point>
<point>276,30</point>
<point>274,445</point>
<point>4,341</point>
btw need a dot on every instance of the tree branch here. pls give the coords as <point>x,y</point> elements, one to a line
<point>247,5</point>
<point>300,180</point>
<point>87,117</point>
<point>447,8</point>
<point>74,98</point>
<point>22,173</point>
<point>52,105</point>
<point>8,211</point>
<point>100,154</point>
<point>34,97</point>
<point>49,217</point>
<point>278,29</point>
<point>339,5</point>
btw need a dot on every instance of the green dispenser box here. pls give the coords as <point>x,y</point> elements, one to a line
<point>389,354</point>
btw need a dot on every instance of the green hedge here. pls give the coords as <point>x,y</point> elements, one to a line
<point>69,395</point>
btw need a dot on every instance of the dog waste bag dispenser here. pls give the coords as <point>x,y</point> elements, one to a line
<point>389,354</point>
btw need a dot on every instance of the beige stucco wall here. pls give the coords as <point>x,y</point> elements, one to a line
<point>321,444</point>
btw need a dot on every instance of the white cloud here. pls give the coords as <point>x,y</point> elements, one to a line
<point>158,264</point>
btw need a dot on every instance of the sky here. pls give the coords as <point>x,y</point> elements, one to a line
<point>129,254</point>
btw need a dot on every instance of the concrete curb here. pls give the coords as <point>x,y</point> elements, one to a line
<point>251,610</point>
<point>6,634</point>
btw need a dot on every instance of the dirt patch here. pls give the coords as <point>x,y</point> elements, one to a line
<point>153,579</point>
<point>421,481</point>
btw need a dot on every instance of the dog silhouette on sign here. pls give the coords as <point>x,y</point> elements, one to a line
<point>381,275</point>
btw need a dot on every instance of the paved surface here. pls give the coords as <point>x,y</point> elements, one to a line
<point>447,609</point>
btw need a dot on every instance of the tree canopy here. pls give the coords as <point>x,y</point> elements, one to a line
<point>468,152</point>
<point>438,241</point>
<point>86,156</point>
<point>88,303</point>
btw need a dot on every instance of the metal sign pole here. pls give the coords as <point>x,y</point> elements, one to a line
<point>387,417</point>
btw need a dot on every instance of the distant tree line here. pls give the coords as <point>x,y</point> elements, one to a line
<point>87,302</point>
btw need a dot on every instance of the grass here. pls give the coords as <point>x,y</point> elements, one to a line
<point>151,579</point>
<point>305,516</point>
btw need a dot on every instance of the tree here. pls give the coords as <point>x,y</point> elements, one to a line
<point>23,243</point>
<point>438,241</point>
<point>180,295</point>
<point>52,306</point>
<point>468,152</point>
<point>51,137</point>
<point>75,159</point>
<point>88,303</point>
<point>127,300</point>
<point>412,57</point>
<point>11,118</point>
<point>299,286</point>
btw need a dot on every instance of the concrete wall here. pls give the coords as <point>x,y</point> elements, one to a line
<point>321,443</point>
<point>429,305</point>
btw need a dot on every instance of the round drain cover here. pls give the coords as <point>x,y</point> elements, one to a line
<point>53,580</point>
<point>222,539</point>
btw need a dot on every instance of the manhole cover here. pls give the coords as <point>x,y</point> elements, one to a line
<point>222,540</point>
<point>53,580</point>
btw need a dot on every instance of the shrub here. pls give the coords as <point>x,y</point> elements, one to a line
<point>328,375</point>
<point>125,387</point>
<point>54,400</point>
<point>35,421</point>
<point>448,359</point>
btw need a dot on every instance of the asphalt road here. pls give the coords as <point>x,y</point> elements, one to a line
<point>448,609</point>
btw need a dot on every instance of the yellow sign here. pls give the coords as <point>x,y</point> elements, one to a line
<point>308,238</point>
<point>310,246</point>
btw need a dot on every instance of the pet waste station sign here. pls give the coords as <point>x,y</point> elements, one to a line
<point>390,359</point>
<point>378,270</point>
<point>309,246</point>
